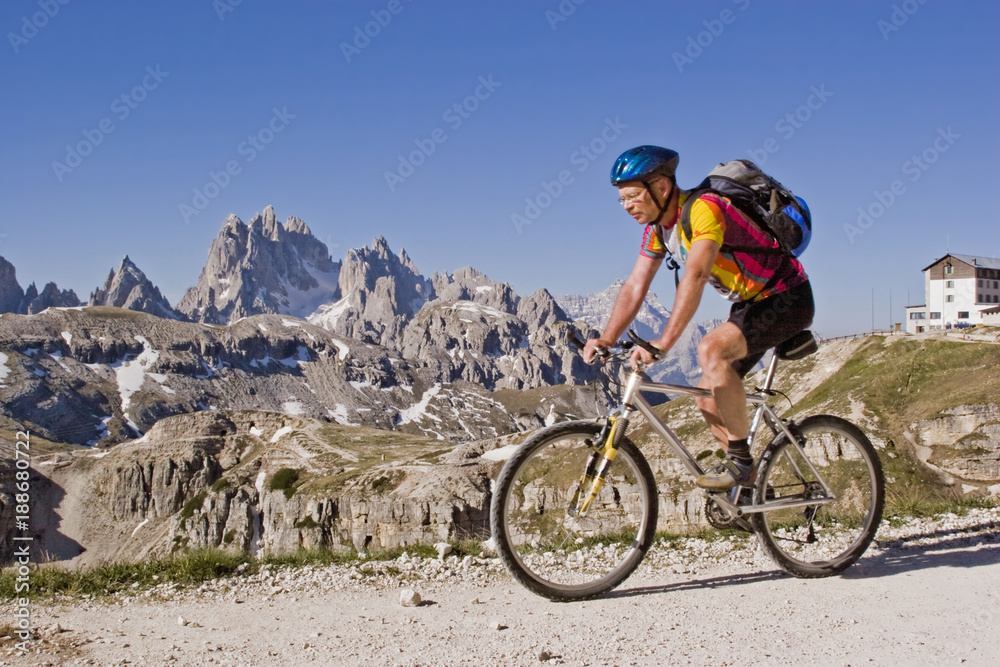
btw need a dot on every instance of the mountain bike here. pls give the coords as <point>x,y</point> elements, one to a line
<point>575,508</point>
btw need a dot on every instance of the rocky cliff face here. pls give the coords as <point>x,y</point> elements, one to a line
<point>50,297</point>
<point>595,309</point>
<point>13,299</point>
<point>964,442</point>
<point>11,292</point>
<point>269,482</point>
<point>263,267</point>
<point>104,375</point>
<point>380,291</point>
<point>128,287</point>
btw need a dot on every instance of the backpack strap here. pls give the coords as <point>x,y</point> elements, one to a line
<point>671,261</point>
<point>685,223</point>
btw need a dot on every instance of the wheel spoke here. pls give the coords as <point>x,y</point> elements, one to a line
<point>825,538</point>
<point>546,546</point>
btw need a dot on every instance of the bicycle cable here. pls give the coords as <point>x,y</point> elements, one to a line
<point>772,392</point>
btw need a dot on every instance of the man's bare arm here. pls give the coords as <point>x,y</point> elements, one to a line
<point>697,271</point>
<point>627,304</point>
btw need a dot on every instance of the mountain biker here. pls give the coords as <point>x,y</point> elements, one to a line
<point>770,291</point>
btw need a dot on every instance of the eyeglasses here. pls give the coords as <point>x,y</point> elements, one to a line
<point>625,199</point>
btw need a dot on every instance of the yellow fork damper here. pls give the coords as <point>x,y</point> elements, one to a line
<point>597,466</point>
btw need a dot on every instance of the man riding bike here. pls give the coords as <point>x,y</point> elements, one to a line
<point>770,290</point>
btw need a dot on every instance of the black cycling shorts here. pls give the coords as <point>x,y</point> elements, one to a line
<point>771,322</point>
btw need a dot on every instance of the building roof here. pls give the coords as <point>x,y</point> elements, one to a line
<point>971,260</point>
<point>990,311</point>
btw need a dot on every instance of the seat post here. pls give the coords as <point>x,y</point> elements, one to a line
<point>770,370</point>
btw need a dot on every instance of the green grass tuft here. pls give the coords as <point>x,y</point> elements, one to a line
<point>284,480</point>
<point>193,504</point>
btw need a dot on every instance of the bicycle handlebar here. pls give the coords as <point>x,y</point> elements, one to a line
<point>622,349</point>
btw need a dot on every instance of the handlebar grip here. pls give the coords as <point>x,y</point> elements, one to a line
<point>649,347</point>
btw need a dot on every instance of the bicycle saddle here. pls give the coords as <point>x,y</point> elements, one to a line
<point>798,346</point>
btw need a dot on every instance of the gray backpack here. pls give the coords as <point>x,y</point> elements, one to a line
<point>763,199</point>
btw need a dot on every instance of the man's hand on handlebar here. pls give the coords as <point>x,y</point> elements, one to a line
<point>596,347</point>
<point>644,357</point>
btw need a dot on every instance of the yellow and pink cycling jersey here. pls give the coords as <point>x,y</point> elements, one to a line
<point>739,274</point>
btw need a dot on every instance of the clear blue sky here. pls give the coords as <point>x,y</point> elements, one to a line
<point>199,81</point>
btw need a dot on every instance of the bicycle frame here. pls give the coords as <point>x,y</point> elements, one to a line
<point>633,400</point>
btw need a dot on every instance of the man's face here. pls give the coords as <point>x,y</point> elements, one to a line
<point>637,200</point>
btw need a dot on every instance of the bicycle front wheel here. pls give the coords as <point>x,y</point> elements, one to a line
<point>543,544</point>
<point>821,539</point>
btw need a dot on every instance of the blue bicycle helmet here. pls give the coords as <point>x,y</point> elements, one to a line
<point>642,162</point>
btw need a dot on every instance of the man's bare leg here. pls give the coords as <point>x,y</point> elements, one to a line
<point>726,411</point>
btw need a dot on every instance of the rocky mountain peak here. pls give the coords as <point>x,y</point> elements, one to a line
<point>296,226</point>
<point>128,287</point>
<point>263,267</point>
<point>468,284</point>
<point>381,292</point>
<point>540,309</point>
<point>13,299</point>
<point>11,293</point>
<point>266,224</point>
<point>50,297</point>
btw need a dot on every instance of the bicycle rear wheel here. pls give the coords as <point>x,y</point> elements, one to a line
<point>544,547</point>
<point>822,539</point>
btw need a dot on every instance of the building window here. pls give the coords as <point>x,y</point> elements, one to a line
<point>935,316</point>
<point>949,269</point>
<point>949,283</point>
<point>963,314</point>
<point>995,284</point>
<point>950,298</point>
<point>980,284</point>
<point>917,316</point>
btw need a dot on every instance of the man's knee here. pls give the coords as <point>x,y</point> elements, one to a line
<point>717,352</point>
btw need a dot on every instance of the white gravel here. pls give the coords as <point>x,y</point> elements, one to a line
<point>928,592</point>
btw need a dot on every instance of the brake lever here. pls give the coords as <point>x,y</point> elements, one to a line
<point>601,352</point>
<point>654,351</point>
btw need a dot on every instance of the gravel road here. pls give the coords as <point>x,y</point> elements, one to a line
<point>927,592</point>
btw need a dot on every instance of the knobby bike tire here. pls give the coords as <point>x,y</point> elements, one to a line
<point>553,554</point>
<point>823,539</point>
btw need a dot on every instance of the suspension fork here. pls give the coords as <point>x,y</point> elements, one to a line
<point>598,463</point>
